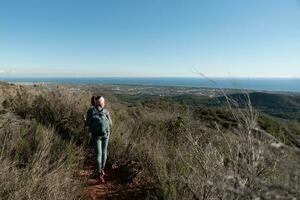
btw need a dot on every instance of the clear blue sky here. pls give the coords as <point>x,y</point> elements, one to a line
<point>220,38</point>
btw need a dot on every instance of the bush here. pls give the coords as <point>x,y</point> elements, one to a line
<point>31,165</point>
<point>188,153</point>
<point>20,103</point>
<point>203,159</point>
<point>58,108</point>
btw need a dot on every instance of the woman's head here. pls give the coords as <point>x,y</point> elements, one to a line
<point>100,101</point>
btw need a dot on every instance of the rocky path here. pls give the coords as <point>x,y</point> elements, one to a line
<point>121,183</point>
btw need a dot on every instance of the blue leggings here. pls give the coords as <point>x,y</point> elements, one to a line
<point>100,146</point>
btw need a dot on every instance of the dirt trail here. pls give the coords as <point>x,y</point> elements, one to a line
<point>119,184</point>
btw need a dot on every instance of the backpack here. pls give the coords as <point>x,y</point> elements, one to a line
<point>99,124</point>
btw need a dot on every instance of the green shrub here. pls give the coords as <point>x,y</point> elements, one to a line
<point>58,108</point>
<point>20,103</point>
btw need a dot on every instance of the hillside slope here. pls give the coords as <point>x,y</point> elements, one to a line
<point>159,148</point>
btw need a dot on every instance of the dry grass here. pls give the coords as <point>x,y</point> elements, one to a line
<point>192,159</point>
<point>56,107</point>
<point>187,158</point>
<point>32,167</point>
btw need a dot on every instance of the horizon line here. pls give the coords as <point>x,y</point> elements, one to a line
<point>206,77</point>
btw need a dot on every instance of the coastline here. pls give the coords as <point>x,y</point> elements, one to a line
<point>277,85</point>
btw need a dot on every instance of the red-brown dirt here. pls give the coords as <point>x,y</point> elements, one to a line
<point>120,183</point>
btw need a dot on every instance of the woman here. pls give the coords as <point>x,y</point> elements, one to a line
<point>99,123</point>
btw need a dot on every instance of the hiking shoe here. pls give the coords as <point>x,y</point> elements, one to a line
<point>103,173</point>
<point>101,179</point>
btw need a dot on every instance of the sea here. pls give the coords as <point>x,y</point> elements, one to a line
<point>260,84</point>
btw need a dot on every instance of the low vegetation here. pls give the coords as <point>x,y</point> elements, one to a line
<point>35,163</point>
<point>182,151</point>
